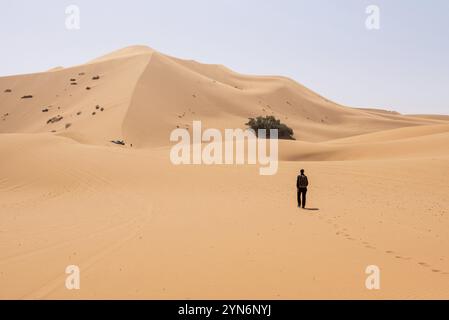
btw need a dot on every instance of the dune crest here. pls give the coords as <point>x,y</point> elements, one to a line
<point>145,94</point>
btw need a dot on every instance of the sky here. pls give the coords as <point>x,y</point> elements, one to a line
<point>323,44</point>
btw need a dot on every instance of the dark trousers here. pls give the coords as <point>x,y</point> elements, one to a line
<point>302,193</point>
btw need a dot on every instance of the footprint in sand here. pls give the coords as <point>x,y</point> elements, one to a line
<point>423,264</point>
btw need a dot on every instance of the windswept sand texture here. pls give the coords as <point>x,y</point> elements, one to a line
<point>140,227</point>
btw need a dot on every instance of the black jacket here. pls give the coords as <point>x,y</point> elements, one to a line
<point>302,182</point>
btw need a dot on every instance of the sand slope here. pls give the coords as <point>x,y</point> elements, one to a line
<point>145,94</point>
<point>140,227</point>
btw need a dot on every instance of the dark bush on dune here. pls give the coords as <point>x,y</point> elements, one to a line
<point>270,122</point>
<point>55,119</point>
<point>118,142</point>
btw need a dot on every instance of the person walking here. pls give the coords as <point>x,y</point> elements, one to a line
<point>302,183</point>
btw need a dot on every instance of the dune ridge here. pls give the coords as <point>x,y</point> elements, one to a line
<point>140,88</point>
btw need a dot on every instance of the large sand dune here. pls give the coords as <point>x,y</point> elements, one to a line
<point>140,227</point>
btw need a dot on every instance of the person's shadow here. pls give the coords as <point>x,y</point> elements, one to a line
<point>312,209</point>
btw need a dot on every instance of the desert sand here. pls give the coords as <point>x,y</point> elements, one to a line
<point>141,228</point>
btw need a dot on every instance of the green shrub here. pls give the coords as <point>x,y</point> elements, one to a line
<point>270,122</point>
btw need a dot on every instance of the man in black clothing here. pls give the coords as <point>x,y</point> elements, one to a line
<point>301,184</point>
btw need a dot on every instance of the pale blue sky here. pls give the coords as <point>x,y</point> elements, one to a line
<point>323,44</point>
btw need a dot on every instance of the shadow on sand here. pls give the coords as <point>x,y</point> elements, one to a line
<point>312,209</point>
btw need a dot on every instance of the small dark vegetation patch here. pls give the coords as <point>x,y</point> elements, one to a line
<point>118,142</point>
<point>270,122</point>
<point>55,119</point>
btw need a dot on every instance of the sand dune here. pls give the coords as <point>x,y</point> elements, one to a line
<point>143,91</point>
<point>431,116</point>
<point>140,227</point>
<point>402,143</point>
